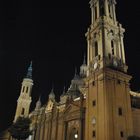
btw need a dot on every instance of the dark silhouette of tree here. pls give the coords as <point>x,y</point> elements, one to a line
<point>133,138</point>
<point>20,130</point>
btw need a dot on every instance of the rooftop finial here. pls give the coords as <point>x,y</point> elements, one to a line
<point>52,95</point>
<point>38,103</point>
<point>64,90</point>
<point>75,71</point>
<point>52,90</point>
<point>39,98</point>
<point>84,62</point>
<point>29,72</point>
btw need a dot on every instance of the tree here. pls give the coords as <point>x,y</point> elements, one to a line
<point>133,138</point>
<point>20,130</point>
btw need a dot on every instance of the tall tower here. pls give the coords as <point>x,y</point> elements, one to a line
<point>108,108</point>
<point>24,100</point>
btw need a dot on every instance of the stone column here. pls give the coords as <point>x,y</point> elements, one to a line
<point>114,13</point>
<point>106,8</point>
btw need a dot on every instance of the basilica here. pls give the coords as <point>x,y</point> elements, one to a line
<point>99,104</point>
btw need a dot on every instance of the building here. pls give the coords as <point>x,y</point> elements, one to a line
<point>98,103</point>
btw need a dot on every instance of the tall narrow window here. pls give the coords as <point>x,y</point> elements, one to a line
<point>93,83</point>
<point>95,12</point>
<point>109,56</point>
<point>23,89</point>
<point>102,12</point>
<point>109,10</point>
<point>96,48</point>
<point>120,111</point>
<point>27,90</point>
<point>112,47</point>
<point>94,102</point>
<point>121,134</point>
<point>22,112</point>
<point>94,133</point>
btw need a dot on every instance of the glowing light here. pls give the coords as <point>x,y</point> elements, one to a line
<point>76,136</point>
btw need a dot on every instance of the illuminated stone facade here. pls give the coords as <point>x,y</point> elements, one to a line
<point>97,104</point>
<point>24,100</point>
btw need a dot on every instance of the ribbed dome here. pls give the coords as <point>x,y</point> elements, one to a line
<point>74,91</point>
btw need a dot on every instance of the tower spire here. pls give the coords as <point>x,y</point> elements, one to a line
<point>52,95</point>
<point>106,59</point>
<point>75,72</point>
<point>38,103</point>
<point>29,72</point>
<point>107,47</point>
<point>24,100</point>
<point>64,90</point>
<point>84,61</point>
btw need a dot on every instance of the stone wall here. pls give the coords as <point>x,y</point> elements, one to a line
<point>136,121</point>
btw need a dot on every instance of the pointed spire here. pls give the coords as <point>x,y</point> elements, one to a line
<point>75,71</point>
<point>64,91</point>
<point>84,61</point>
<point>39,98</point>
<point>52,90</point>
<point>29,72</point>
<point>52,95</point>
<point>38,103</point>
<point>76,76</point>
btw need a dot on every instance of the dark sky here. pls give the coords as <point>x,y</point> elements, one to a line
<point>52,35</point>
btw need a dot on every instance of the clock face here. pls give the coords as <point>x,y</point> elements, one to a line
<point>93,121</point>
<point>95,65</point>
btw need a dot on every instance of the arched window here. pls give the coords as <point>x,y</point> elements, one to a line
<point>27,89</point>
<point>22,112</point>
<point>109,10</point>
<point>23,89</point>
<point>95,12</point>
<point>120,111</point>
<point>112,46</point>
<point>74,134</point>
<point>96,48</point>
<point>102,12</point>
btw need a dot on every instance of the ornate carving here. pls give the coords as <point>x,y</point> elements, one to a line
<point>49,106</point>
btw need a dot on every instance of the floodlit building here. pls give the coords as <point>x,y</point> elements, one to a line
<point>99,104</point>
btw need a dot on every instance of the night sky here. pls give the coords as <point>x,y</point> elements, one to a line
<point>52,35</point>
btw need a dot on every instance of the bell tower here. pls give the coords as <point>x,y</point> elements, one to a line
<point>105,37</point>
<point>108,108</point>
<point>24,100</point>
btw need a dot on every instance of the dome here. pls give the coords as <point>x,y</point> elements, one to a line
<point>74,91</point>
